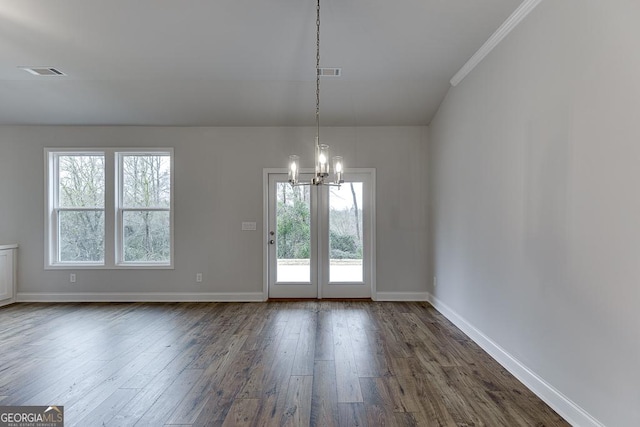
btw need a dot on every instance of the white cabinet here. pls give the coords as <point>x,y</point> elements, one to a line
<point>8,263</point>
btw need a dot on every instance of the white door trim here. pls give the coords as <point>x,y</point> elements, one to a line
<point>265,228</point>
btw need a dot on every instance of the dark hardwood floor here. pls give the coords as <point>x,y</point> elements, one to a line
<point>319,363</point>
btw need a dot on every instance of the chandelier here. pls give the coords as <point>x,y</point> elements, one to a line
<point>322,168</point>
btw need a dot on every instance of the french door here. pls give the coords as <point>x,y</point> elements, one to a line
<point>320,239</point>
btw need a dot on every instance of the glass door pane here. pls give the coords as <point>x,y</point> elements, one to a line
<point>345,233</point>
<point>293,233</point>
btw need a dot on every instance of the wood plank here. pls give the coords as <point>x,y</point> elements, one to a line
<point>403,393</point>
<point>105,411</point>
<point>293,363</point>
<point>324,337</point>
<point>347,384</point>
<point>223,379</point>
<point>156,363</point>
<point>324,404</point>
<point>305,352</point>
<point>242,413</point>
<point>87,395</point>
<point>346,371</point>
<point>432,406</point>
<point>140,404</point>
<point>378,357</point>
<point>159,412</point>
<point>377,402</point>
<point>276,383</point>
<point>297,411</point>
<point>368,363</point>
<point>266,352</point>
<point>352,414</point>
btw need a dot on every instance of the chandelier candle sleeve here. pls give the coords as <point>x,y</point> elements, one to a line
<point>294,168</point>
<point>322,161</point>
<point>338,170</point>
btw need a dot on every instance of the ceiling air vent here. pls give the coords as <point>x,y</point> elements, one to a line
<point>43,71</point>
<point>329,72</point>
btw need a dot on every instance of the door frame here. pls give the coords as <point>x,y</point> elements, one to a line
<point>265,228</point>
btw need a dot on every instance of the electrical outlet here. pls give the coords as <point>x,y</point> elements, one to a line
<point>435,282</point>
<point>199,277</point>
<point>72,278</point>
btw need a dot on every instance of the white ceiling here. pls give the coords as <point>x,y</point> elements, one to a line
<point>235,62</point>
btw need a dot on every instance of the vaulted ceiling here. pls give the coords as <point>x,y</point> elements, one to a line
<point>235,62</point>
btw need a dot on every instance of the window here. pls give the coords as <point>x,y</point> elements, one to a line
<point>109,208</point>
<point>77,213</point>
<point>144,207</point>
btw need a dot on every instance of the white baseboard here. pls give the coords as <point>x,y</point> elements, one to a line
<point>564,406</point>
<point>402,296</point>
<point>141,297</point>
<point>182,296</point>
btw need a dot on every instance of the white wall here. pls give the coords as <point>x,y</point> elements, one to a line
<point>535,161</point>
<point>218,184</point>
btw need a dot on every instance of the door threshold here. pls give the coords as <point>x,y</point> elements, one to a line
<point>317,299</point>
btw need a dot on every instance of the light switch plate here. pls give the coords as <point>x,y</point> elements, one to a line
<point>248,226</point>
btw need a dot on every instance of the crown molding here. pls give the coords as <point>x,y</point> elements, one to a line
<point>507,26</point>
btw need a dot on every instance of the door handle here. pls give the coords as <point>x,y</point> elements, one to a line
<point>271,242</point>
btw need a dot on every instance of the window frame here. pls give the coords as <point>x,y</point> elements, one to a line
<point>120,208</point>
<point>113,230</point>
<point>53,209</point>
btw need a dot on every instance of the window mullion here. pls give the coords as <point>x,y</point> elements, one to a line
<point>109,208</point>
<point>79,209</point>
<point>54,235</point>
<point>54,225</point>
<point>141,209</point>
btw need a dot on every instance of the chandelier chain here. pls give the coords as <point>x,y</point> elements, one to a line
<point>318,73</point>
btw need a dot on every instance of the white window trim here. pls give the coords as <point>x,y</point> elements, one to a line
<point>112,242</point>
